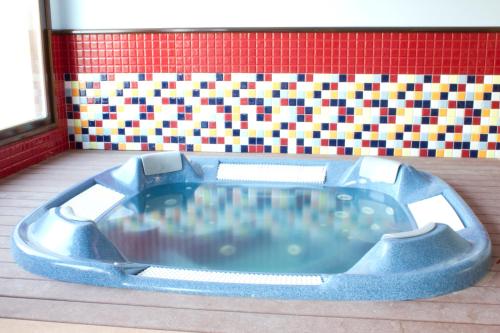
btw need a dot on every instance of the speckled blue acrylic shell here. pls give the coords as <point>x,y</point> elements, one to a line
<point>433,263</point>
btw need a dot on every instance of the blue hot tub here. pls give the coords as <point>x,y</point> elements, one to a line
<point>281,228</point>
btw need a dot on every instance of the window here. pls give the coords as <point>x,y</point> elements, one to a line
<point>24,82</point>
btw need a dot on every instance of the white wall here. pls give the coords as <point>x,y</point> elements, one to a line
<point>144,14</point>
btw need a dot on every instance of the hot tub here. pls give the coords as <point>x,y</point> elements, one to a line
<point>371,229</point>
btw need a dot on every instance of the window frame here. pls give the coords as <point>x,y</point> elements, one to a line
<point>35,127</point>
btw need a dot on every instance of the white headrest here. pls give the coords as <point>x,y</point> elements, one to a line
<point>91,203</point>
<point>379,170</point>
<point>435,210</point>
<point>159,163</point>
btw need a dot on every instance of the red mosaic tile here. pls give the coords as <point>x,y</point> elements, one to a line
<point>282,52</point>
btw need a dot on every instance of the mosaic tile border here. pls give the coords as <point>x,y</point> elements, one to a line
<point>362,114</point>
<point>436,53</point>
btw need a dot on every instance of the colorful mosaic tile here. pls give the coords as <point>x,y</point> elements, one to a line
<point>365,114</point>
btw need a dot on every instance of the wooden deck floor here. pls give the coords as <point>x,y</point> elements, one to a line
<point>32,303</point>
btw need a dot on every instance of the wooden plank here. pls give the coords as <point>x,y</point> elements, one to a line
<point>30,326</point>
<point>273,321</point>
<point>4,242</point>
<point>24,203</point>
<point>472,295</point>
<point>183,319</point>
<point>6,230</point>
<point>15,211</point>
<point>42,196</point>
<point>48,171</point>
<point>42,183</point>
<point>489,215</point>
<point>495,250</point>
<point>495,239</point>
<point>10,220</point>
<point>492,227</point>
<point>421,327</point>
<point>5,256</point>
<point>53,177</point>
<point>17,187</point>
<point>10,270</point>
<point>478,200</point>
<point>495,264</point>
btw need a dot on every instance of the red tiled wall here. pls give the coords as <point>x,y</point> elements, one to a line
<point>247,52</point>
<point>21,154</point>
<point>282,52</point>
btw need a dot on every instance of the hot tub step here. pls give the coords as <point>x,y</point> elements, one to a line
<point>228,277</point>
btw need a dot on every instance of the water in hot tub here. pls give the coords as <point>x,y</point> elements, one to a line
<point>252,229</point>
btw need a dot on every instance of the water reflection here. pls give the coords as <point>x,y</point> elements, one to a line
<point>252,229</point>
